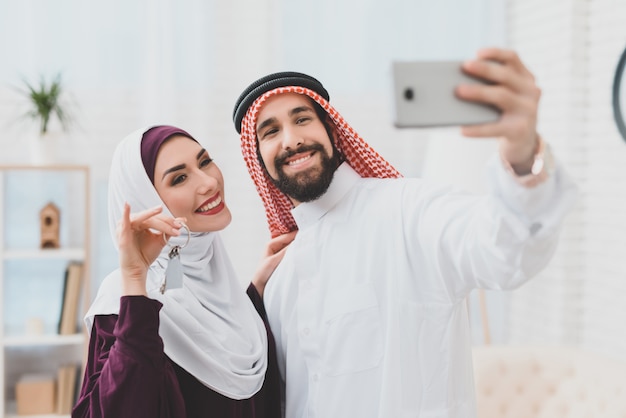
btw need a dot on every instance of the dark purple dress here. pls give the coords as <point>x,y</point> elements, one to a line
<point>129,375</point>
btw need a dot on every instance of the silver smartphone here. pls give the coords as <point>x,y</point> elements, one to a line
<point>424,96</point>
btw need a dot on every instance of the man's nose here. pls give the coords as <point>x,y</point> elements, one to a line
<point>291,139</point>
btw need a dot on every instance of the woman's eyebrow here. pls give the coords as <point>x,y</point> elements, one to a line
<point>181,166</point>
<point>175,168</point>
<point>201,153</point>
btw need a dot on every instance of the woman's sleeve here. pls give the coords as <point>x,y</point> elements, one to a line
<point>127,373</point>
<point>257,301</point>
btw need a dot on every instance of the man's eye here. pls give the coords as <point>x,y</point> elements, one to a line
<point>302,120</point>
<point>270,132</point>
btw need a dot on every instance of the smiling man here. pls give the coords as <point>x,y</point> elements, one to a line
<point>368,305</point>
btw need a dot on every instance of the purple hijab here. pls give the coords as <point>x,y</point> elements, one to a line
<point>151,142</point>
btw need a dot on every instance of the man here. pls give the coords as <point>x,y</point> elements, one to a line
<point>368,305</point>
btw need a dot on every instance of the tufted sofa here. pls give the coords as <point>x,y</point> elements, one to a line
<point>548,382</point>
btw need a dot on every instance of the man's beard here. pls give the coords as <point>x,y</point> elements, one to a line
<point>309,184</point>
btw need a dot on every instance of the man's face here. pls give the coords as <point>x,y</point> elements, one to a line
<point>295,147</point>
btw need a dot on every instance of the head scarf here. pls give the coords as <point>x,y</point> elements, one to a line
<point>209,326</point>
<point>356,152</point>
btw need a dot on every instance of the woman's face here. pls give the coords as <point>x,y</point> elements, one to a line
<point>191,185</point>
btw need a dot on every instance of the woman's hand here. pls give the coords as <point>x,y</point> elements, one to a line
<point>274,252</point>
<point>141,237</point>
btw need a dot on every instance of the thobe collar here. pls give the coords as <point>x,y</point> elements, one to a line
<point>343,180</point>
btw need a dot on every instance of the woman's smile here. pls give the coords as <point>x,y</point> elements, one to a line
<point>212,206</point>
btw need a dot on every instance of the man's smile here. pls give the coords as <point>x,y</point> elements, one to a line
<point>299,159</point>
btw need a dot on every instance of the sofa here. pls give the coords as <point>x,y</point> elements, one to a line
<point>548,382</point>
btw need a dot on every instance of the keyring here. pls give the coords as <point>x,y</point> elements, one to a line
<point>180,247</point>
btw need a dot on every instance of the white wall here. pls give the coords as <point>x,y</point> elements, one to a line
<point>605,226</point>
<point>573,47</point>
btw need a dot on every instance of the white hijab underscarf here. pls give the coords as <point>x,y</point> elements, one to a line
<point>209,327</point>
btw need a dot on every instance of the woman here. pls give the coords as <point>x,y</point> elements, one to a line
<point>192,345</point>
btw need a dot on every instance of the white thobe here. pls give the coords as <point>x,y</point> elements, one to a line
<point>368,305</point>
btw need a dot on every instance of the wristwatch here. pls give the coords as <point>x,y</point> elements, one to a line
<point>542,168</point>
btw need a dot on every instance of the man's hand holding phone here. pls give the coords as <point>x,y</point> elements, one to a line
<point>516,94</point>
<point>492,96</point>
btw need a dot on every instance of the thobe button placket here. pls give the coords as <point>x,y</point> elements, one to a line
<point>316,377</point>
<point>535,227</point>
<point>306,332</point>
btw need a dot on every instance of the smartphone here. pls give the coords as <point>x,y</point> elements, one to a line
<point>424,96</point>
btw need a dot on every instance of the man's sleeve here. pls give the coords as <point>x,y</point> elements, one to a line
<point>497,241</point>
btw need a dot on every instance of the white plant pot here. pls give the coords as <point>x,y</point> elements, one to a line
<point>48,149</point>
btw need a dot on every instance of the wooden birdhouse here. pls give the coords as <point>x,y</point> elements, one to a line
<point>50,217</point>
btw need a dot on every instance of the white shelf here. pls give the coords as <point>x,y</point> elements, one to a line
<point>61,253</point>
<point>44,353</point>
<point>12,408</point>
<point>43,340</point>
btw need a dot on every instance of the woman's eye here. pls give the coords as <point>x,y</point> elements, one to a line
<point>205,162</point>
<point>178,179</point>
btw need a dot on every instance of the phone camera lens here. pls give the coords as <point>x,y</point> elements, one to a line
<point>408,93</point>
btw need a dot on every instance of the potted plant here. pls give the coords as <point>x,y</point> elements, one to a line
<point>44,105</point>
<point>45,102</point>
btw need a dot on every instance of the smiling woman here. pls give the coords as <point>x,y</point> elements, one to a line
<point>161,355</point>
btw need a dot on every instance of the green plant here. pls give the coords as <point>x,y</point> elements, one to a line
<point>45,101</point>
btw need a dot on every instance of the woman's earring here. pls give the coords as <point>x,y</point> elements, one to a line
<point>173,278</point>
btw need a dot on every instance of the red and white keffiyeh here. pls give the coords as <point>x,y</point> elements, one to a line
<point>358,154</point>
